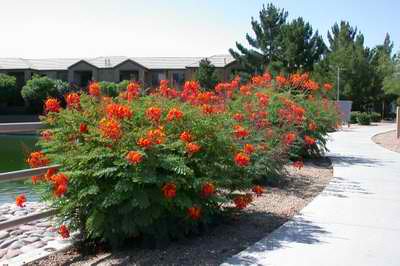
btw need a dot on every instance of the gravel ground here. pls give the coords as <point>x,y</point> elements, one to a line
<point>388,140</point>
<point>267,213</point>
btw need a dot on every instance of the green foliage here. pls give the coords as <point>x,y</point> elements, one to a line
<point>37,90</point>
<point>375,117</point>
<point>206,75</point>
<point>364,119</point>
<point>109,88</point>
<point>354,117</point>
<point>8,88</point>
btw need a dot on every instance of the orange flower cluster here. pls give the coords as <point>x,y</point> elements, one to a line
<point>194,212</point>
<point>242,159</point>
<point>292,112</point>
<point>144,143</point>
<point>298,164</point>
<point>153,114</point>
<point>73,100</point>
<point>156,136</point>
<point>207,190</point>
<point>52,105</point>
<point>60,184</point>
<point>20,200</point>
<point>94,89</point>
<point>166,91</point>
<point>110,128</point>
<point>192,148</point>
<point>132,91</point>
<point>309,140</point>
<point>240,132</point>
<point>63,231</point>
<point>311,85</point>
<point>328,86</point>
<point>174,114</point>
<point>134,157</point>
<point>289,138</point>
<point>118,111</point>
<point>37,159</point>
<point>281,81</point>
<point>242,201</point>
<point>169,190</point>
<point>312,126</point>
<point>190,90</point>
<point>261,80</point>
<point>249,148</point>
<point>298,80</point>
<point>258,190</point>
<point>238,117</point>
<point>185,137</point>
<point>263,99</point>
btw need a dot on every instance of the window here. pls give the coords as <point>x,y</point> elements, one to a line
<point>156,77</point>
<point>178,78</point>
<point>129,75</point>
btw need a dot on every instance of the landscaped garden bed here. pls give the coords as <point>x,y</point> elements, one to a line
<point>155,169</point>
<point>388,140</point>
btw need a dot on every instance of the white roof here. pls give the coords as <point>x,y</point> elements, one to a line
<point>112,61</point>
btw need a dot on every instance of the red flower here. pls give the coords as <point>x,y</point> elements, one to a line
<point>238,117</point>
<point>194,213</point>
<point>186,137</point>
<point>174,113</point>
<point>20,200</point>
<point>312,126</point>
<point>110,128</point>
<point>245,90</point>
<point>63,231</point>
<point>50,173</point>
<point>37,159</point>
<point>281,81</point>
<point>328,86</point>
<point>169,190</point>
<point>153,114</point>
<point>258,190</point>
<point>118,111</point>
<point>248,148</point>
<point>73,100</point>
<point>134,157</point>
<point>144,143</point>
<point>47,135</point>
<point>289,138</point>
<point>94,89</point>
<point>309,140</point>
<point>83,128</point>
<point>207,190</point>
<point>242,160</point>
<point>132,91</point>
<point>156,136</point>
<point>240,132</point>
<point>60,184</point>
<point>311,85</point>
<point>242,201</point>
<point>36,179</point>
<point>52,105</point>
<point>298,164</point>
<point>192,148</point>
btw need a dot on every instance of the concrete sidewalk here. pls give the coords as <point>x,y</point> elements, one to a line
<point>354,221</point>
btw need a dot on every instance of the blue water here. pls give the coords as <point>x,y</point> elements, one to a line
<point>14,150</point>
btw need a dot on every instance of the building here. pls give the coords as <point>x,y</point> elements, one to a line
<point>146,70</point>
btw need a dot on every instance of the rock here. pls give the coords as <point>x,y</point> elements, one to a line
<point>3,252</point>
<point>4,234</point>
<point>7,243</point>
<point>27,228</point>
<point>38,244</point>
<point>16,245</point>
<point>44,224</point>
<point>30,239</point>
<point>11,253</point>
<point>16,233</point>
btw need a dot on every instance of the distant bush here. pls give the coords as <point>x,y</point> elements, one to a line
<point>375,117</point>
<point>8,88</point>
<point>37,90</point>
<point>354,117</point>
<point>64,88</point>
<point>109,88</point>
<point>364,119</point>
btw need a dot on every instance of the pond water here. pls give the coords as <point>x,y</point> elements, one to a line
<point>14,150</point>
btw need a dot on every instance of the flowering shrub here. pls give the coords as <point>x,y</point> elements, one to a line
<point>162,165</point>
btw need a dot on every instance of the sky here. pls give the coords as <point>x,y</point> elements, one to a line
<point>90,28</point>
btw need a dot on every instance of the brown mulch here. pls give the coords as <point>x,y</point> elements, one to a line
<point>388,140</point>
<point>267,213</point>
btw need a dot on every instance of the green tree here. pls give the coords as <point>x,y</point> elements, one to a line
<point>279,45</point>
<point>206,74</point>
<point>8,89</point>
<point>391,83</point>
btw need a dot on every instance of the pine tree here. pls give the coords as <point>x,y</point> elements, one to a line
<point>278,45</point>
<point>206,75</point>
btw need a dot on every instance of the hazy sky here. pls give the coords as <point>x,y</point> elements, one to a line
<point>88,28</point>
